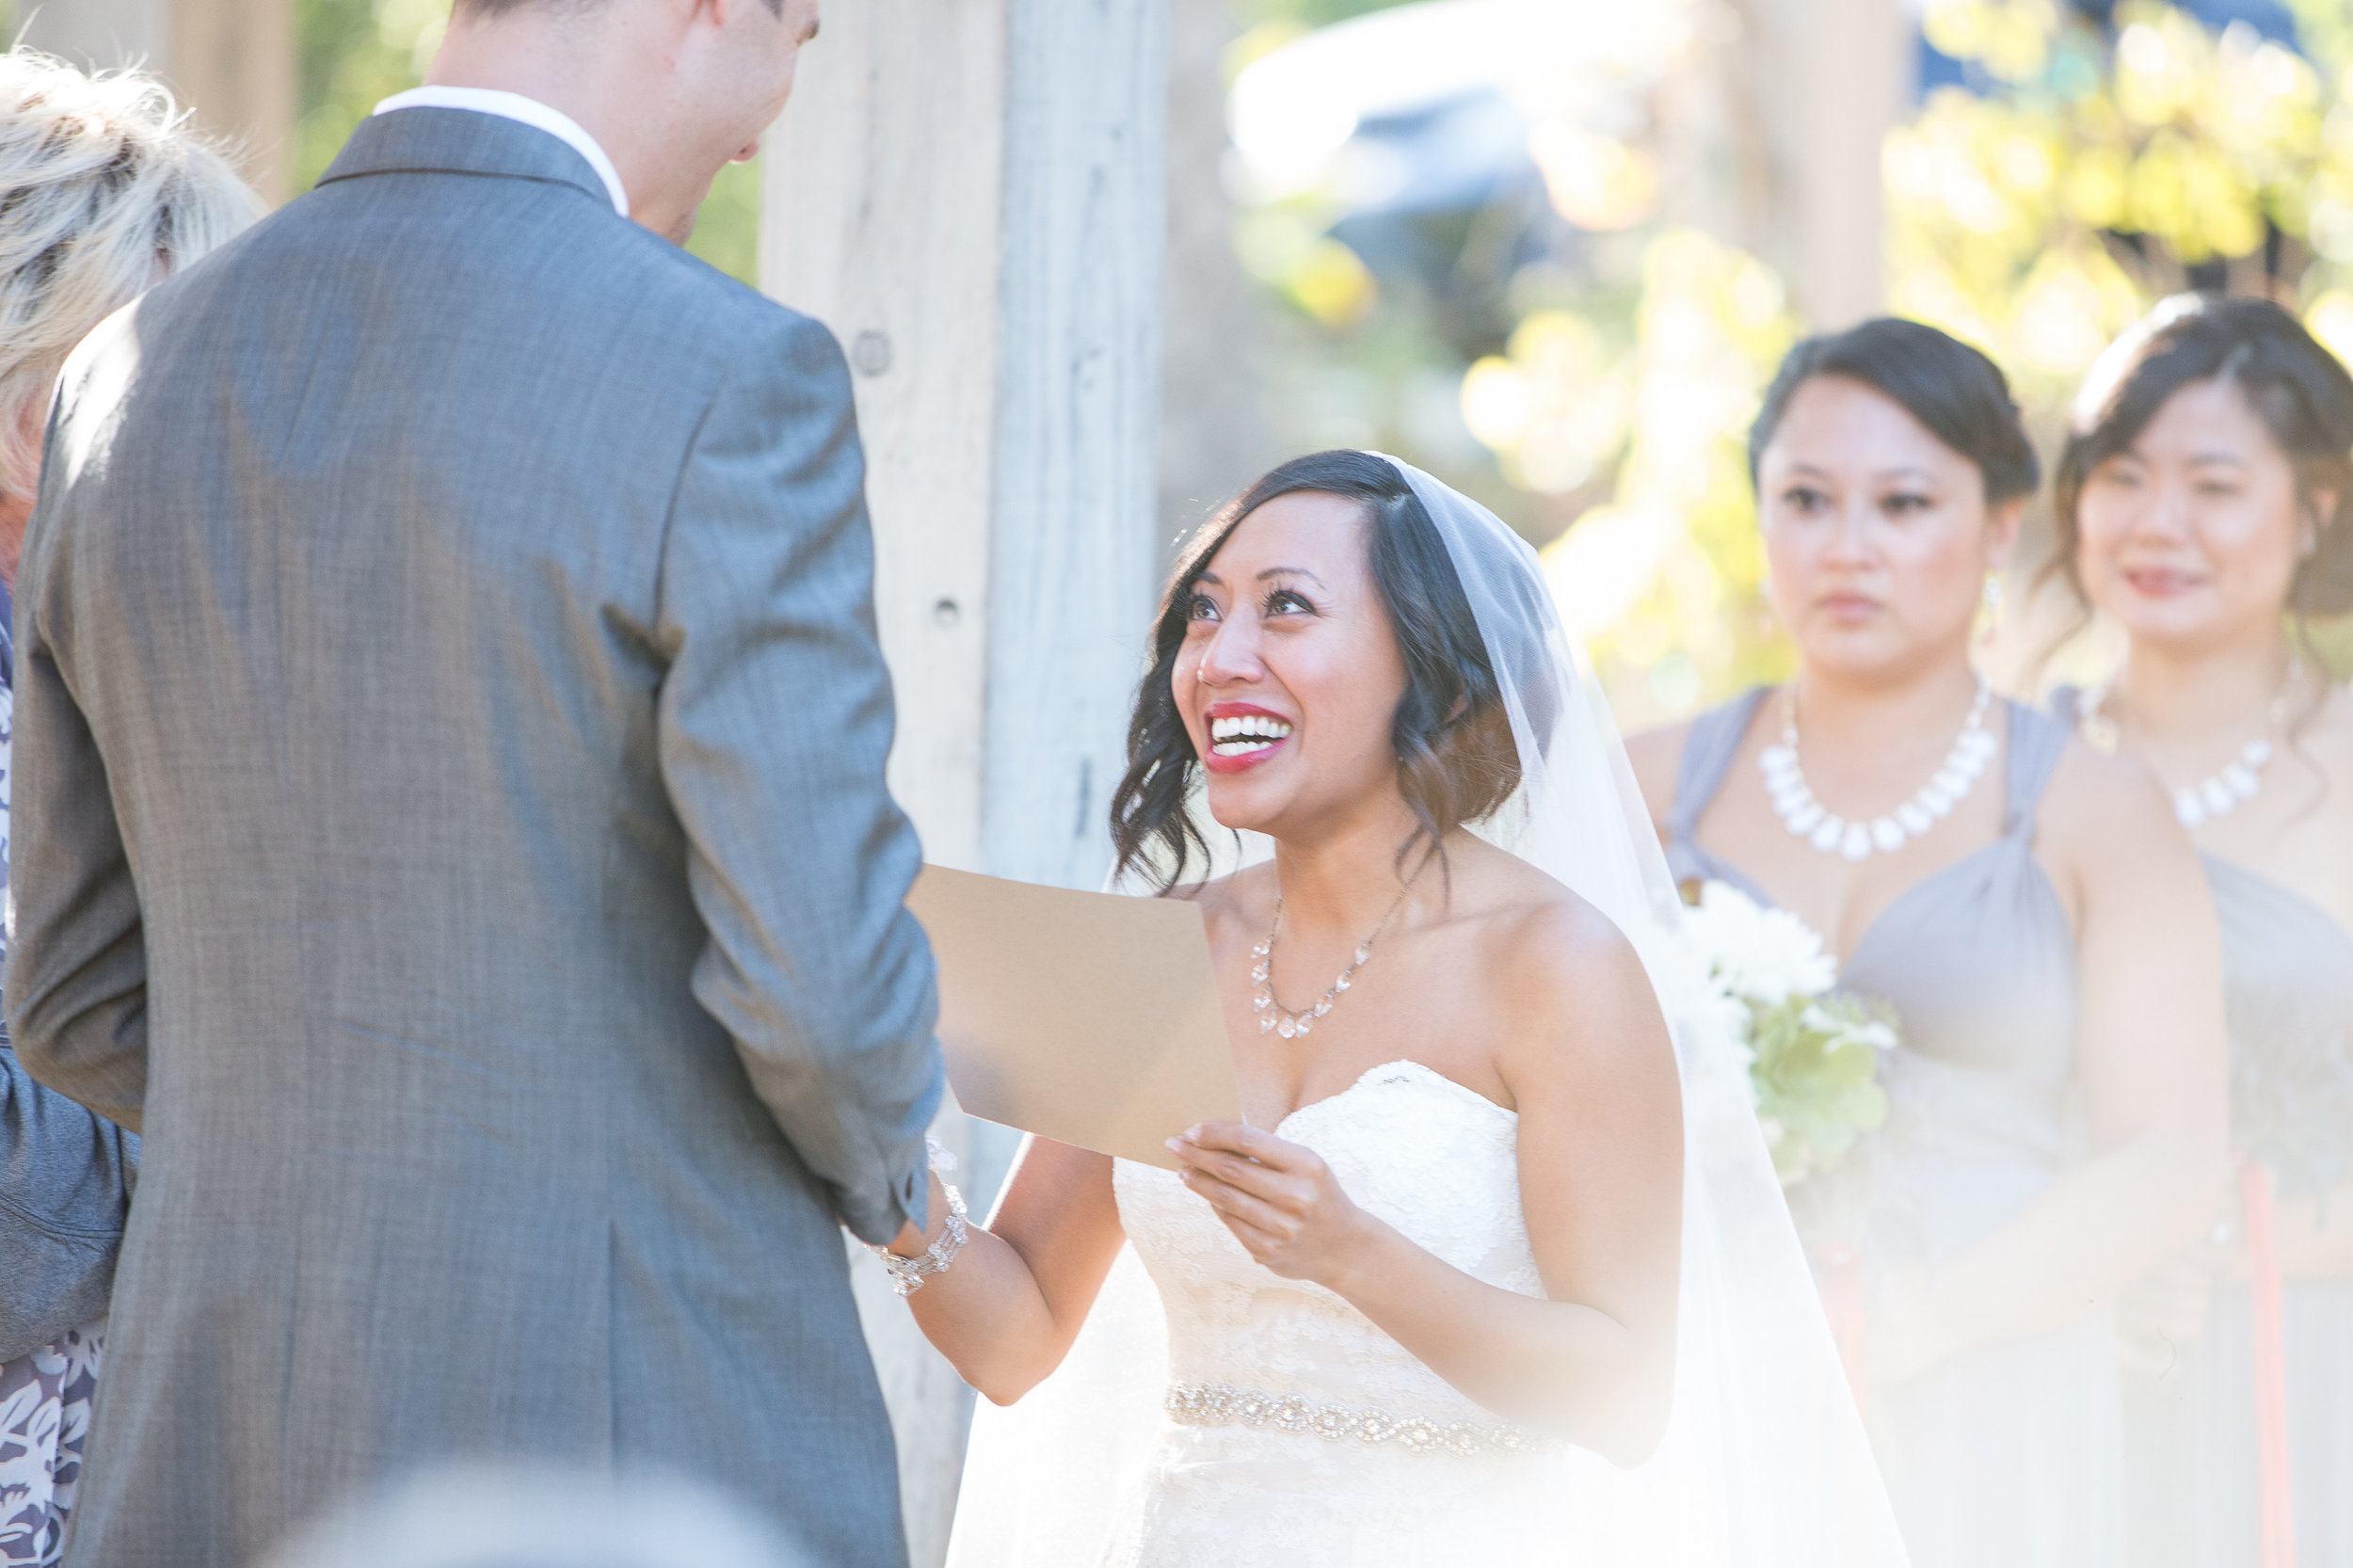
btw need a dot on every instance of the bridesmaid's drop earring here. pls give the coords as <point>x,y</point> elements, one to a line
<point>1990,624</point>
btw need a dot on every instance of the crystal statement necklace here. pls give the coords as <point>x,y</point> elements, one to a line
<point>1275,1019</point>
<point>1809,819</point>
<point>2220,793</point>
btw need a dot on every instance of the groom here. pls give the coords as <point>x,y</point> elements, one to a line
<point>450,821</point>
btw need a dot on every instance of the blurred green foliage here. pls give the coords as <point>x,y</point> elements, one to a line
<point>356,52</point>
<point>2115,169</point>
<point>726,231</point>
<point>352,53</point>
<point>2118,166</point>
<point>1636,403</point>
<point>2108,169</point>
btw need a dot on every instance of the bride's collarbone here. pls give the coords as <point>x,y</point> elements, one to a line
<point>1436,994</point>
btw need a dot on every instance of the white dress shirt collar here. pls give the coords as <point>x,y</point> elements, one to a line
<point>530,111</point>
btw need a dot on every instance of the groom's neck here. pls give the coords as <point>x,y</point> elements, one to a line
<point>606,69</point>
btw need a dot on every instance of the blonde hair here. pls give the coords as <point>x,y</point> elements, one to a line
<point>103,192</point>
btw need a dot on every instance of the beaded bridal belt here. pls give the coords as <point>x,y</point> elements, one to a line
<point>1220,1404</point>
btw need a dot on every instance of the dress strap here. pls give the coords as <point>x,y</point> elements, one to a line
<point>1708,748</point>
<point>2037,741</point>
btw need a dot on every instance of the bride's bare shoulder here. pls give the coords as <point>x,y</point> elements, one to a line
<point>1549,955</point>
<point>1571,1008</point>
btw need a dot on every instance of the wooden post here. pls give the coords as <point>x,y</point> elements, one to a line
<point>973,194</point>
<point>1827,80</point>
<point>230,61</point>
<point>234,62</point>
<point>1078,425</point>
<point>879,215</point>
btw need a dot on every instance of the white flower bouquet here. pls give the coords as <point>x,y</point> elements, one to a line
<point>1813,1052</point>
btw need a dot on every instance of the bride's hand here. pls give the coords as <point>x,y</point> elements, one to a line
<point>1281,1201</point>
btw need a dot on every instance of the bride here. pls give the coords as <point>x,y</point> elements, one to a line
<point>1456,1288</point>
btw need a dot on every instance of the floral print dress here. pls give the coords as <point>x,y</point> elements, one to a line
<point>44,1396</point>
<point>44,1416</point>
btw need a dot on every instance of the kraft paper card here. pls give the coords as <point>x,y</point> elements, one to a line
<point>1090,1018</point>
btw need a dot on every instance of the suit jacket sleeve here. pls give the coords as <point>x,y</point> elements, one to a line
<point>775,726</point>
<point>76,982</point>
<point>64,1187</point>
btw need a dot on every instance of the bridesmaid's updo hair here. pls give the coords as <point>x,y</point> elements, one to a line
<point>1456,761</point>
<point>2296,388</point>
<point>1962,396</point>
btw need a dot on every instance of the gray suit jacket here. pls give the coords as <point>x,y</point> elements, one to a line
<point>450,825</point>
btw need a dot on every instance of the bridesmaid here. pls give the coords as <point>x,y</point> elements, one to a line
<point>2027,907</point>
<point>2202,505</point>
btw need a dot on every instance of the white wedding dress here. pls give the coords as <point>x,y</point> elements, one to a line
<point>1303,1436</point>
<point>1212,1413</point>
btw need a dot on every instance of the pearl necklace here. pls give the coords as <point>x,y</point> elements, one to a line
<point>1809,819</point>
<point>2219,793</point>
<point>1275,1019</point>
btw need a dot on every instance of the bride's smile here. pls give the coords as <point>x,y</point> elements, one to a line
<point>1242,735</point>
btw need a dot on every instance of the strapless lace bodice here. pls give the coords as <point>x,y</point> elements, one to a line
<point>1439,1163</point>
<point>1408,1144</point>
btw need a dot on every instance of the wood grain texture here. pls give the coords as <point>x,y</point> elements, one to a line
<point>1077,382</point>
<point>880,211</point>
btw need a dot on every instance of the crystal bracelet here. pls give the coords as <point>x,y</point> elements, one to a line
<point>908,1274</point>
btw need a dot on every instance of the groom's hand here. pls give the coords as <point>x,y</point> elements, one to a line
<point>911,1242</point>
<point>1280,1200</point>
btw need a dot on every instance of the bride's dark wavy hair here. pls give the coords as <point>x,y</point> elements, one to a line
<point>1456,761</point>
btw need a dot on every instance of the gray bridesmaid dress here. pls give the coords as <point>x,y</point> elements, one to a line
<point>2007,1454</point>
<point>2190,1444</point>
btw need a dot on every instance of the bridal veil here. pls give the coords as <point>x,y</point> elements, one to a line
<point>1765,1464</point>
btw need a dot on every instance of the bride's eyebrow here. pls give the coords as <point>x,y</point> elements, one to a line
<point>1291,571</point>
